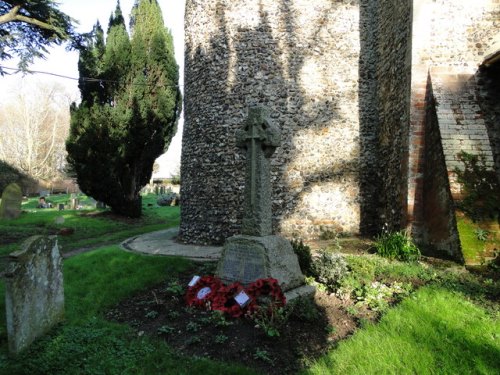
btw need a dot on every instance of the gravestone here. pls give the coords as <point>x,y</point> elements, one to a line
<point>92,202</point>
<point>10,206</point>
<point>59,220</point>
<point>43,193</point>
<point>34,294</point>
<point>257,253</point>
<point>74,203</point>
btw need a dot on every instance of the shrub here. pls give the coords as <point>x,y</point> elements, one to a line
<point>304,309</point>
<point>330,269</point>
<point>481,187</point>
<point>304,256</point>
<point>397,245</point>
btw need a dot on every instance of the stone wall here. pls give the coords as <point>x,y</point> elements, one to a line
<point>296,59</point>
<point>393,73</point>
<point>335,76</point>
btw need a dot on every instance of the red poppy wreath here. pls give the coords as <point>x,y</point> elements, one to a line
<point>203,292</point>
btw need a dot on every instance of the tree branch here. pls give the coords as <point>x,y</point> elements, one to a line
<point>11,16</point>
<point>14,16</point>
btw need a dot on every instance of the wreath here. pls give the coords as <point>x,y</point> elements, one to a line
<point>265,292</point>
<point>224,300</point>
<point>210,293</point>
<point>202,293</point>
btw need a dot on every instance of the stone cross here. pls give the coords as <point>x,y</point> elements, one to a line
<point>259,137</point>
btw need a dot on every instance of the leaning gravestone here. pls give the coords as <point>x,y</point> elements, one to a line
<point>34,294</point>
<point>256,253</point>
<point>10,206</point>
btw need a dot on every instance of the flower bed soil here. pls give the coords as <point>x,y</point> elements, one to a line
<point>161,311</point>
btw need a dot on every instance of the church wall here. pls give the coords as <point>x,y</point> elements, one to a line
<point>343,133</point>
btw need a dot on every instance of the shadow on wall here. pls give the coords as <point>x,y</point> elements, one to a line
<point>384,112</point>
<point>298,61</point>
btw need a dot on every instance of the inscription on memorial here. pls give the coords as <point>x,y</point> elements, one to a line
<point>244,262</point>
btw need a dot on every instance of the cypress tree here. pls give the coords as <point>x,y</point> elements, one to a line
<point>128,114</point>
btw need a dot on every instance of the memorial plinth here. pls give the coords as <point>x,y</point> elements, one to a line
<point>257,253</point>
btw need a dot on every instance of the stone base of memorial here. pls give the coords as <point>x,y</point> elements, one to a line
<point>248,258</point>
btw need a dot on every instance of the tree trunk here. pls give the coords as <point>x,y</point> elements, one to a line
<point>129,208</point>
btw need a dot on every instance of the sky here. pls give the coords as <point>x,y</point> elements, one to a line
<point>63,62</point>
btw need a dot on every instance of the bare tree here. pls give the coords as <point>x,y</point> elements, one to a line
<point>34,125</point>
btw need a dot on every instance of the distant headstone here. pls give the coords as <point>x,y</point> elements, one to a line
<point>257,253</point>
<point>92,203</point>
<point>10,206</point>
<point>74,203</point>
<point>34,294</point>
<point>100,204</point>
<point>44,193</point>
<point>59,220</point>
<point>61,206</point>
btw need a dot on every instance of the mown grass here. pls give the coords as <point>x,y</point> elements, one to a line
<point>91,227</point>
<point>436,331</point>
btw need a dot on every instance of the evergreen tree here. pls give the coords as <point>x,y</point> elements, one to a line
<point>128,114</point>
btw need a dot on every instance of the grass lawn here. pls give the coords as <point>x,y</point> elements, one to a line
<point>91,227</point>
<point>448,326</point>
<point>436,331</point>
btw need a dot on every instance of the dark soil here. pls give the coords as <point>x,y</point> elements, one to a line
<point>312,328</point>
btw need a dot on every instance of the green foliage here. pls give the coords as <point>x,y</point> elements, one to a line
<point>377,295</point>
<point>128,115</point>
<point>42,26</point>
<point>481,187</point>
<point>263,355</point>
<point>304,256</point>
<point>397,245</point>
<point>481,234</point>
<point>165,329</point>
<point>99,347</point>
<point>152,314</point>
<point>303,309</point>
<point>270,319</point>
<point>175,288</point>
<point>193,327</point>
<point>219,319</point>
<point>330,269</point>
<point>221,339</point>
